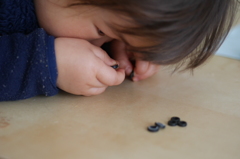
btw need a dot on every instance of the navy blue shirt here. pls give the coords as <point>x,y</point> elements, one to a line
<point>27,56</point>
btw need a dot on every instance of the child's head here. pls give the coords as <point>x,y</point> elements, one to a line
<point>161,31</point>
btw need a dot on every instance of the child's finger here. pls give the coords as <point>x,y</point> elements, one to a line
<point>95,91</point>
<point>119,53</point>
<point>124,62</point>
<point>144,70</point>
<point>141,67</point>
<point>126,65</point>
<point>110,77</point>
<point>104,57</point>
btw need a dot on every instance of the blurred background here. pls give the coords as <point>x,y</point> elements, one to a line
<point>231,46</point>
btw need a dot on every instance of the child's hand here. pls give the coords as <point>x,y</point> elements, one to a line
<point>119,53</point>
<point>84,69</point>
<point>142,69</point>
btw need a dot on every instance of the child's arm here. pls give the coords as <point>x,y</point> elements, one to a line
<point>27,66</point>
<point>84,69</point>
<point>142,69</point>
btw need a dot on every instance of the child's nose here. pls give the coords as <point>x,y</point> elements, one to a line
<point>99,42</point>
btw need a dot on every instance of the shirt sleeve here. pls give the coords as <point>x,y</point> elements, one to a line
<point>27,65</point>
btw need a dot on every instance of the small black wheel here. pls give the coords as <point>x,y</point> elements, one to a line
<point>182,123</point>
<point>161,126</point>
<point>153,128</point>
<point>177,119</point>
<point>173,123</point>
<point>132,75</point>
<point>115,66</point>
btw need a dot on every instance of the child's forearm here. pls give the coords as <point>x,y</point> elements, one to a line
<point>27,66</point>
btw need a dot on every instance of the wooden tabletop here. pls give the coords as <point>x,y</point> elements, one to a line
<point>113,125</point>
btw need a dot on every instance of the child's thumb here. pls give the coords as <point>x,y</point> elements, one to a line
<point>105,57</point>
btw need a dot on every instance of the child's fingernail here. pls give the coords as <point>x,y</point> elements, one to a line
<point>115,66</point>
<point>132,75</point>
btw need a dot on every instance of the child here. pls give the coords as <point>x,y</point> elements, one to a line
<point>47,44</point>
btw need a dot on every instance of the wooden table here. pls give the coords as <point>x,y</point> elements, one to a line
<point>113,125</point>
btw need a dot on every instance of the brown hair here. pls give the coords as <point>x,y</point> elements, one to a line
<point>185,31</point>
